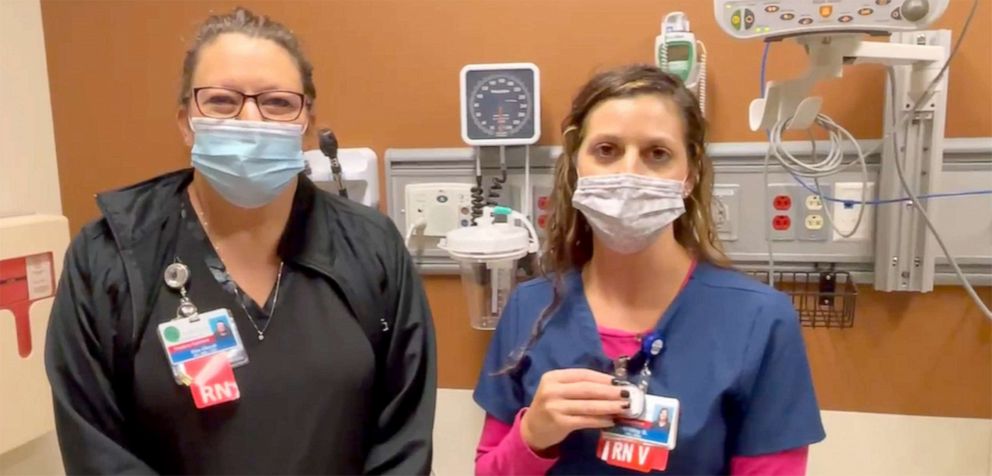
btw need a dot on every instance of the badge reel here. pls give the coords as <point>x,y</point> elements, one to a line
<point>192,336</point>
<point>176,277</point>
<point>636,398</point>
<point>653,347</point>
<point>646,432</point>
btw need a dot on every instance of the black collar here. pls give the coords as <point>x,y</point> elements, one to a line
<point>138,213</point>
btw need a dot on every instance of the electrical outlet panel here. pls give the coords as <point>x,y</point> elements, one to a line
<point>814,224</point>
<point>442,206</point>
<point>798,214</point>
<point>725,207</point>
<point>782,212</point>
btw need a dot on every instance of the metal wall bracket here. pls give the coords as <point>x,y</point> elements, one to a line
<point>904,248</point>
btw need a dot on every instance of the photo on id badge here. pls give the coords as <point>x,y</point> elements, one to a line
<point>222,332</point>
<point>657,425</point>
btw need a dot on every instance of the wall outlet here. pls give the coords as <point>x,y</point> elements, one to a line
<point>813,225</point>
<point>846,217</point>
<point>783,212</point>
<point>781,223</point>
<point>540,208</point>
<point>782,202</point>
<point>725,208</point>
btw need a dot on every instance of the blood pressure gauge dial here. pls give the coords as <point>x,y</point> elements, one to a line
<point>500,104</point>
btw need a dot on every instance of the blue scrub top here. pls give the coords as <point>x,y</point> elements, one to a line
<point>734,357</point>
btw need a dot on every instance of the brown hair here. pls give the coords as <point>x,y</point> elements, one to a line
<point>569,243</point>
<point>244,22</point>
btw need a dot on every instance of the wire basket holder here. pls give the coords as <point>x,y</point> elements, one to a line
<point>823,298</point>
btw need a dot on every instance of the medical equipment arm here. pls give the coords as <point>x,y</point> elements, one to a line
<point>828,54</point>
<point>917,62</point>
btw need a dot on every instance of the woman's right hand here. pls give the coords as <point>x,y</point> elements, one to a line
<point>569,400</point>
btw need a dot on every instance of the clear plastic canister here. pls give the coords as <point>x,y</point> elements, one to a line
<point>487,257</point>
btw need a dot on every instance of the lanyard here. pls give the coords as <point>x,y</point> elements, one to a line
<point>651,346</point>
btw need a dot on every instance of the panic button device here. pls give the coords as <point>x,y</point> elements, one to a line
<point>23,281</point>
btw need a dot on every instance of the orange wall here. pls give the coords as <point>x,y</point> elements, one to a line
<point>387,76</point>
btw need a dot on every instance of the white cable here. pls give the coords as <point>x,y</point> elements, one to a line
<point>663,51</point>
<point>928,92</point>
<point>478,161</point>
<point>916,202</point>
<point>701,82</point>
<point>528,209</point>
<point>417,227</point>
<point>502,158</point>
<point>832,164</point>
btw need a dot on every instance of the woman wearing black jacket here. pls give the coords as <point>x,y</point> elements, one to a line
<point>338,369</point>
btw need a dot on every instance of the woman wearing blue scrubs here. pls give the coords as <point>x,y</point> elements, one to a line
<point>634,269</point>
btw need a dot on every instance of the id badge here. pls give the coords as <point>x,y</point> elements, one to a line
<point>191,338</point>
<point>642,443</point>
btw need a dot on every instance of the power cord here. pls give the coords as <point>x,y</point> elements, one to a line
<point>663,54</point>
<point>916,202</point>
<point>930,196</point>
<point>701,82</point>
<point>528,198</point>
<point>928,92</point>
<point>831,164</point>
<point>417,227</point>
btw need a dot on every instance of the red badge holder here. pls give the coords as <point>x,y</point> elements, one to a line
<point>212,380</point>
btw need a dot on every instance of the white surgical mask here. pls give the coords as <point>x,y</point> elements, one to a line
<point>627,212</point>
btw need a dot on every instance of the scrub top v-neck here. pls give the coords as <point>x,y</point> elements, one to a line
<point>305,392</point>
<point>733,355</point>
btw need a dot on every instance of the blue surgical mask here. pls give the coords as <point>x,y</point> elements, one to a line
<point>249,163</point>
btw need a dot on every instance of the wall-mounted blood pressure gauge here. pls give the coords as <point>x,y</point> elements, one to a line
<point>500,104</point>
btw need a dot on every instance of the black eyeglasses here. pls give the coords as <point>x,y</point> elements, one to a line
<point>223,103</point>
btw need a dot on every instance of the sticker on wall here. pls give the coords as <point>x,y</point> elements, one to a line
<point>24,281</point>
